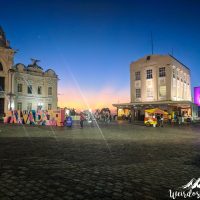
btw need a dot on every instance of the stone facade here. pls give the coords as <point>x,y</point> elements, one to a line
<point>32,88</point>
<point>6,63</point>
<point>159,78</point>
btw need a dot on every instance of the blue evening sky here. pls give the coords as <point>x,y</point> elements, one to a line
<point>92,43</point>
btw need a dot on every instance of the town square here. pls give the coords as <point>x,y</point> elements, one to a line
<point>99,100</point>
<point>127,162</point>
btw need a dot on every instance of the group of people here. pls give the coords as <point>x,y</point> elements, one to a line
<point>69,121</point>
<point>177,119</point>
<point>104,115</point>
<point>160,120</point>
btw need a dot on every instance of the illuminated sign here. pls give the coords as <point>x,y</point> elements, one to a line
<point>197,95</point>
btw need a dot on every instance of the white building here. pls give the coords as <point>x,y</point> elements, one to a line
<point>22,87</point>
<point>33,88</point>
<point>158,81</point>
<point>6,62</point>
<point>159,78</point>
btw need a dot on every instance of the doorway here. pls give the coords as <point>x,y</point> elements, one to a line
<point>1,107</point>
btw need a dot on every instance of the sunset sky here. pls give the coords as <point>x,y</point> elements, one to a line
<point>90,44</point>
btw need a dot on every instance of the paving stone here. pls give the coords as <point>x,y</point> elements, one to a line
<point>145,163</point>
<point>11,194</point>
<point>79,196</point>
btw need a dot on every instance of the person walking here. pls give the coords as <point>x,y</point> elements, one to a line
<point>161,120</point>
<point>129,118</point>
<point>158,120</point>
<point>179,119</point>
<point>82,118</point>
<point>170,119</point>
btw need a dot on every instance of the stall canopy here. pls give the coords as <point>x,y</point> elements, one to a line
<point>156,111</point>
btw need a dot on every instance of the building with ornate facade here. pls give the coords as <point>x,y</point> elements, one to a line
<point>159,81</point>
<point>24,87</point>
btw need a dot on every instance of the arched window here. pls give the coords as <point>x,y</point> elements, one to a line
<point>1,67</point>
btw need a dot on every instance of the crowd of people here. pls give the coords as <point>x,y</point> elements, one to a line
<point>170,120</point>
<point>104,115</point>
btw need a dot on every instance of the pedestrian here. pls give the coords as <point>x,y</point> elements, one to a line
<point>170,119</point>
<point>129,118</point>
<point>82,118</point>
<point>158,120</point>
<point>162,121</point>
<point>68,121</point>
<point>179,119</point>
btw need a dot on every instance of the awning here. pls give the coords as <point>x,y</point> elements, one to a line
<point>156,111</point>
<point>154,103</point>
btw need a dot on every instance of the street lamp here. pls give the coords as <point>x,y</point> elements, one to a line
<point>10,94</point>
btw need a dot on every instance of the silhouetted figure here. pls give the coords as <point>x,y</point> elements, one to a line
<point>82,118</point>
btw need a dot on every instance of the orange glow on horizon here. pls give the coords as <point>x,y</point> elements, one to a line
<point>92,99</point>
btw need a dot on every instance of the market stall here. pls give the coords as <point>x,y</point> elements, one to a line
<point>151,116</point>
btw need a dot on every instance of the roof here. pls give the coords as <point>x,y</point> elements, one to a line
<point>128,105</point>
<point>179,62</point>
<point>156,110</point>
<point>35,69</point>
<point>149,58</point>
<point>34,66</point>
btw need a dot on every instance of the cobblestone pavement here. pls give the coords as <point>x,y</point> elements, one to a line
<point>133,162</point>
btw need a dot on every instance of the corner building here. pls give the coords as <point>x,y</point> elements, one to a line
<point>159,78</point>
<point>158,81</point>
<point>24,87</point>
<point>34,88</point>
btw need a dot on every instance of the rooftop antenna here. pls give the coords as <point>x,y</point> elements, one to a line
<point>151,43</point>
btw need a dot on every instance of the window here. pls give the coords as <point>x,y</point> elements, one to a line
<point>39,107</point>
<point>181,76</point>
<point>149,92</point>
<point>162,72</point>
<point>184,78</point>
<point>188,79</point>
<point>137,76</point>
<point>19,87</point>
<point>1,106</point>
<point>162,91</point>
<point>148,57</point>
<point>19,106</point>
<point>2,84</point>
<point>49,90</point>
<point>30,89</point>
<point>39,90</point>
<point>138,93</point>
<point>49,107</point>
<point>174,73</point>
<point>29,106</point>
<point>177,75</point>
<point>149,74</point>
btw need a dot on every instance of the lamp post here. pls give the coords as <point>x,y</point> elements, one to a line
<point>10,94</point>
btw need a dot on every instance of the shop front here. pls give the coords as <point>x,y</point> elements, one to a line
<point>185,109</point>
